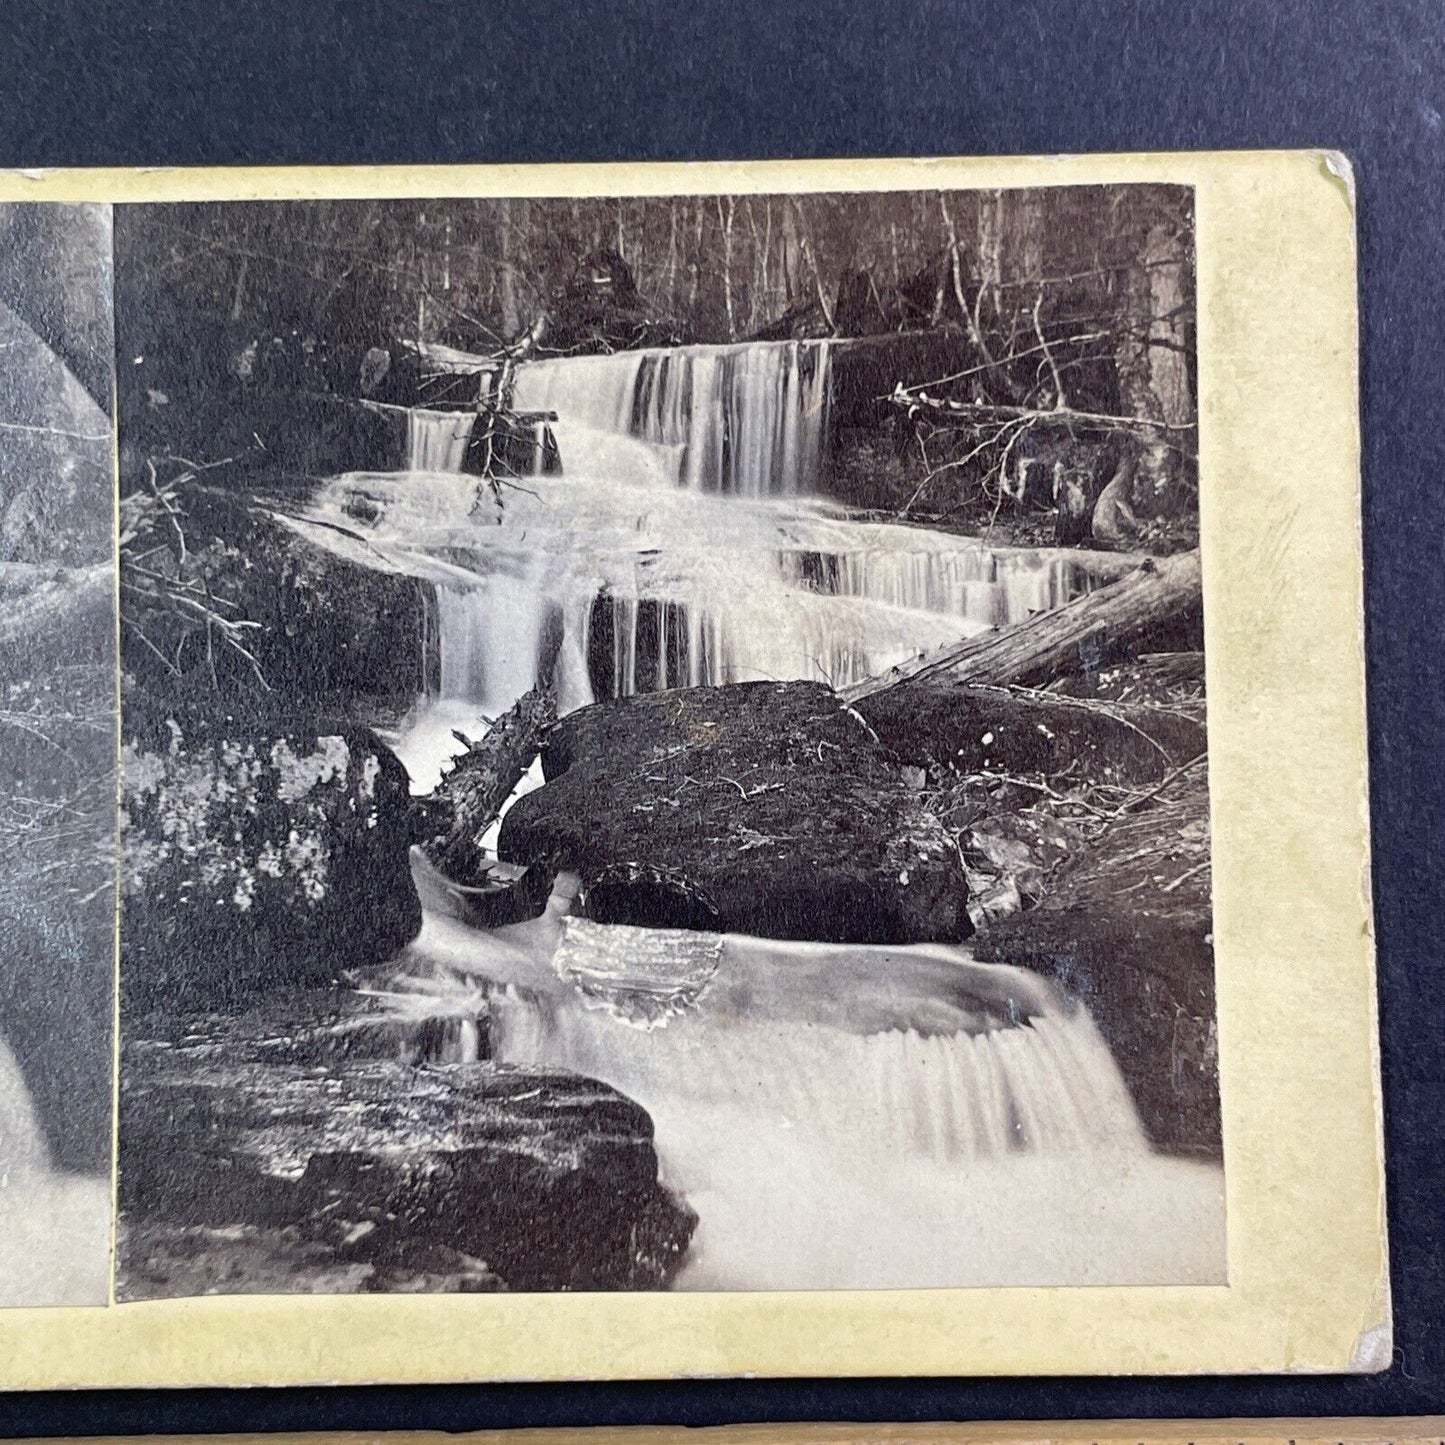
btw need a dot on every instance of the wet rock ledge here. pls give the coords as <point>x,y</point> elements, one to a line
<point>280,1150</point>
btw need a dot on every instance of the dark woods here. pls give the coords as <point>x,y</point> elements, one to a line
<point>1053,330</point>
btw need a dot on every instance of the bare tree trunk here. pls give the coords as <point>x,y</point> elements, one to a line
<point>238,297</point>
<point>768,306</point>
<point>727,230</point>
<point>1023,235</point>
<point>1152,360</point>
<point>696,264</point>
<point>672,258</point>
<point>990,246</point>
<point>511,321</point>
<point>1064,641</point>
<point>810,254</point>
<point>757,280</point>
<point>792,259</point>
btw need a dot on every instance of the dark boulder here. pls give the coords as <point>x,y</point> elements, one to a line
<point>254,1160</point>
<point>943,723</point>
<point>332,634</point>
<point>762,808</point>
<point>252,859</point>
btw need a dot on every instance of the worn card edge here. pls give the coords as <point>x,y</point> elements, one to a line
<point>1309,1287</point>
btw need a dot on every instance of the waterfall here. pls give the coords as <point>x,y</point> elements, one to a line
<point>436,441</point>
<point>679,547</point>
<point>745,421</point>
<point>1047,1087</point>
<point>683,544</point>
<point>821,1152</point>
<point>616,587</point>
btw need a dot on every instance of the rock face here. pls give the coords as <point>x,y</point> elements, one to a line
<point>1124,920</point>
<point>1128,929</point>
<point>762,808</point>
<point>335,634</point>
<point>263,1154</point>
<point>252,859</point>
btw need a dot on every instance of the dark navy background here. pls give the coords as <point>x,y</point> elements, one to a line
<point>85,83</point>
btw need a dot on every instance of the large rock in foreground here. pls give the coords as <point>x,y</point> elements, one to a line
<point>251,860</point>
<point>270,1153</point>
<point>762,808</point>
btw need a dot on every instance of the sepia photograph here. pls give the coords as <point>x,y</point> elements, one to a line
<point>664,745</point>
<point>57,754</point>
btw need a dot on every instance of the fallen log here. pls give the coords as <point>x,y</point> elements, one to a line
<point>1083,634</point>
<point>470,796</point>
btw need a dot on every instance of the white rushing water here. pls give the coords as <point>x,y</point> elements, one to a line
<point>54,1227</point>
<point>850,1116</point>
<point>835,1115</point>
<point>745,421</point>
<point>436,441</point>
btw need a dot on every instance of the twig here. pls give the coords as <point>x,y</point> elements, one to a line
<point>1185,876</point>
<point>1138,802</point>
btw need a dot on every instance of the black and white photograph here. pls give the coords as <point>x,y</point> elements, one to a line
<point>663,745</point>
<point>58,719</point>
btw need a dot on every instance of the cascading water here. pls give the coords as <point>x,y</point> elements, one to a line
<point>680,547</point>
<point>436,441</point>
<point>824,1141</point>
<point>746,421</point>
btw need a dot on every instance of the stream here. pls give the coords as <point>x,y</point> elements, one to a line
<point>829,1127</point>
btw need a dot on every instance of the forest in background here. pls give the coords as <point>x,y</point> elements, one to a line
<point>1058,316</point>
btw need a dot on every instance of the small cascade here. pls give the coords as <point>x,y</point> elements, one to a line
<point>493,638</point>
<point>743,421</point>
<point>823,1154</point>
<point>436,441</point>
<point>1047,1087</point>
<point>998,588</point>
